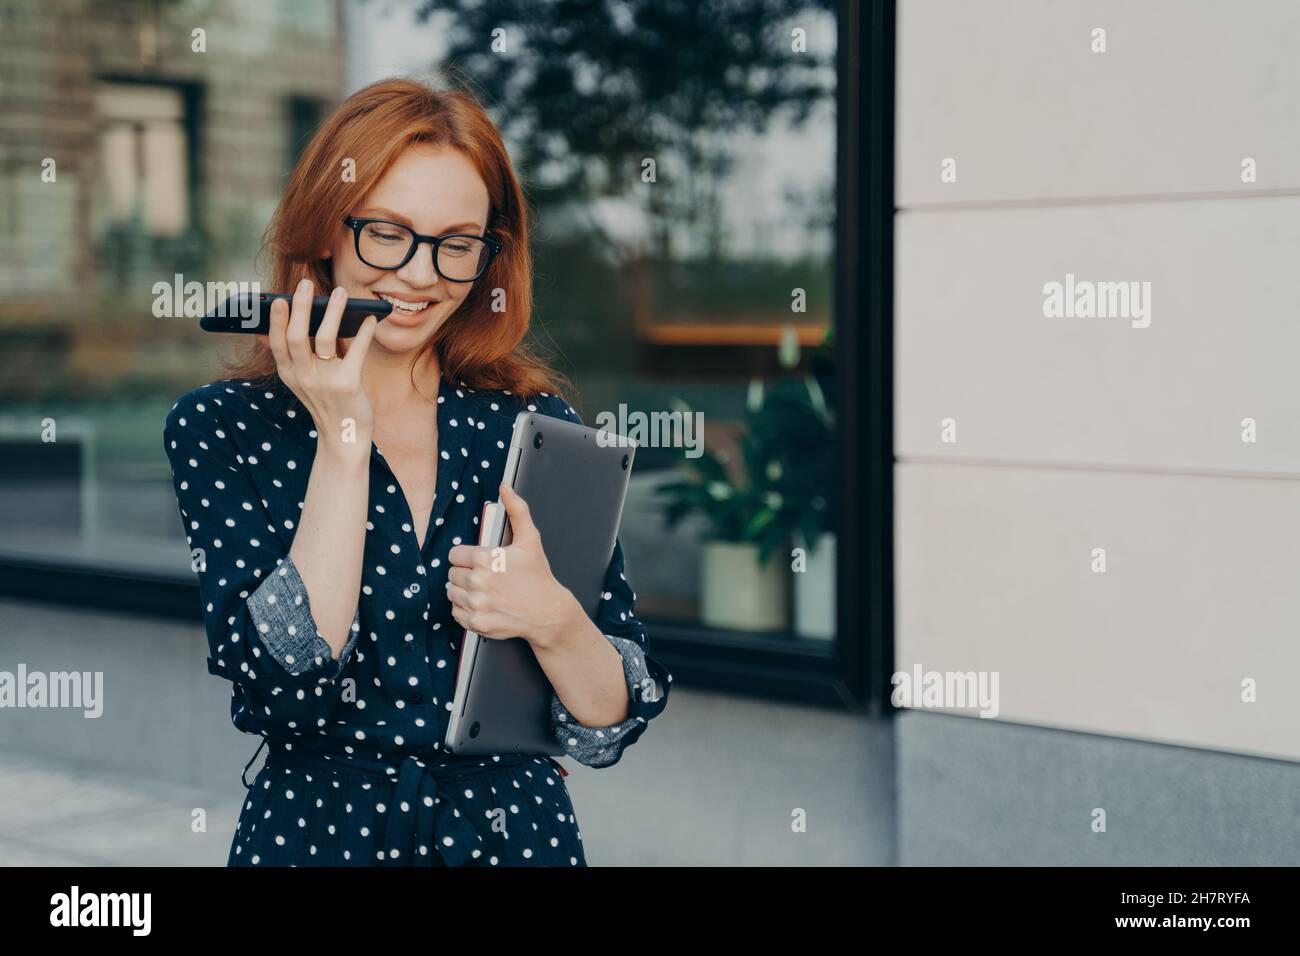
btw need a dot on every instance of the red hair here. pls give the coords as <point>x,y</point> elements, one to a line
<point>480,347</point>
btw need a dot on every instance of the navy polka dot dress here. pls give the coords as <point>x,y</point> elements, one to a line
<point>355,772</point>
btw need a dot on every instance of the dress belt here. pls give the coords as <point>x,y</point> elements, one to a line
<point>416,792</point>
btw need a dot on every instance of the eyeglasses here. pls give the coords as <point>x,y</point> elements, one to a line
<point>384,244</point>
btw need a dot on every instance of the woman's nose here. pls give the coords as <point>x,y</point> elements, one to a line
<point>420,272</point>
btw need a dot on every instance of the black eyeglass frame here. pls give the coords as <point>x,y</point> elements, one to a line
<point>357,224</point>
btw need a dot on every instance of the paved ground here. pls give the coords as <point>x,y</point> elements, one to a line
<point>717,781</point>
<point>56,815</point>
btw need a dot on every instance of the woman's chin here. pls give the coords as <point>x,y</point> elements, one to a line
<point>400,337</point>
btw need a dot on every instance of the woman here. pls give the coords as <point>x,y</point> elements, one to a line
<point>330,492</point>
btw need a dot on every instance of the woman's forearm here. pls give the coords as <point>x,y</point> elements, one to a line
<point>585,670</point>
<point>330,541</point>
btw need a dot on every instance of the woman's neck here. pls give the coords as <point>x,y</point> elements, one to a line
<point>393,380</point>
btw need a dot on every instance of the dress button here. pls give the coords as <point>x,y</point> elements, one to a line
<point>415,588</point>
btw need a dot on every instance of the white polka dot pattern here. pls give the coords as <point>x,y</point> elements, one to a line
<point>241,456</point>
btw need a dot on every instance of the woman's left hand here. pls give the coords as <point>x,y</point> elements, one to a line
<point>510,591</point>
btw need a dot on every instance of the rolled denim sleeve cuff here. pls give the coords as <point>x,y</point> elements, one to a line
<point>602,746</point>
<point>283,620</point>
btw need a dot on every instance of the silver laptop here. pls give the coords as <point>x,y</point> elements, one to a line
<point>574,479</point>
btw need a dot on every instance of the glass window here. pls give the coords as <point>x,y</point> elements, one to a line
<point>305,115</point>
<point>144,162</point>
<point>683,176</point>
<point>89,370</point>
<point>683,171</point>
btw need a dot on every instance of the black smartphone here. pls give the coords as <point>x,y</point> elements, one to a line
<point>251,314</point>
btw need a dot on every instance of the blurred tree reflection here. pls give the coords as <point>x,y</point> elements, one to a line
<point>585,91</point>
<point>589,88</point>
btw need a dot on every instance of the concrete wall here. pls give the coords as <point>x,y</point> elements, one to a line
<point>1073,434</point>
<point>993,793</point>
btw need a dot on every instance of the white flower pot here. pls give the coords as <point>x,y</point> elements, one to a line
<point>814,591</point>
<point>739,593</point>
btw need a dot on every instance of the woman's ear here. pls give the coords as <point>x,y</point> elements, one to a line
<point>326,254</point>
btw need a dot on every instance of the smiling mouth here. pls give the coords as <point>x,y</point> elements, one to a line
<point>407,308</point>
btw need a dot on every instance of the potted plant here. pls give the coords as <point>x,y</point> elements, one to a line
<point>779,500</point>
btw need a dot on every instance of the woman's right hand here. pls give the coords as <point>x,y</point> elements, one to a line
<point>330,388</point>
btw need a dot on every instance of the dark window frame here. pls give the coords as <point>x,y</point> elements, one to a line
<point>301,111</point>
<point>855,673</point>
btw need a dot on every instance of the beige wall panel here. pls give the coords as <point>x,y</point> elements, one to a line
<point>1223,344</point>
<point>1012,90</point>
<point>994,573</point>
